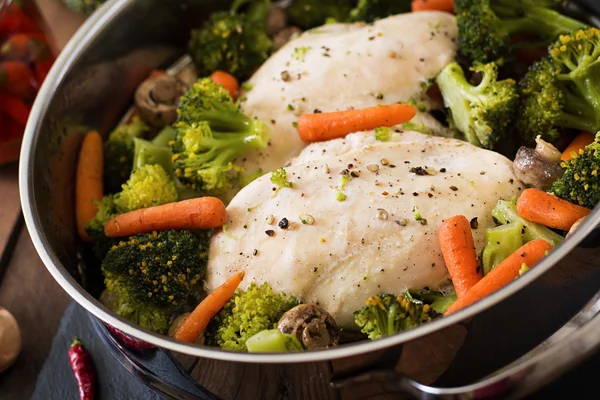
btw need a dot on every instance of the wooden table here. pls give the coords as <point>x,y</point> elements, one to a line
<point>28,291</point>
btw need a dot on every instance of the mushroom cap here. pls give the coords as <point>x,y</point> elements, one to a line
<point>314,327</point>
<point>157,98</point>
<point>10,339</point>
<point>533,170</point>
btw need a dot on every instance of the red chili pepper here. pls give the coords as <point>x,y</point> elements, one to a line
<point>41,70</point>
<point>128,341</point>
<point>83,369</point>
<point>17,78</point>
<point>14,19</point>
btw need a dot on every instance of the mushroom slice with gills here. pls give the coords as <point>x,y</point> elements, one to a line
<point>534,171</point>
<point>314,327</point>
<point>10,339</point>
<point>156,100</point>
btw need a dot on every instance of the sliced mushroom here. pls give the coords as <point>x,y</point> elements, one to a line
<point>534,171</point>
<point>10,339</point>
<point>284,36</point>
<point>156,100</point>
<point>276,20</point>
<point>547,151</point>
<point>311,325</point>
<point>575,226</point>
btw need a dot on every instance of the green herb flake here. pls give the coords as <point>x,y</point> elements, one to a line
<point>383,134</point>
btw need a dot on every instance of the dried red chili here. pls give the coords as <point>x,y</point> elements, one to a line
<point>83,369</point>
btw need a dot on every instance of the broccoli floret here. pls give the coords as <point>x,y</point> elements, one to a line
<point>580,183</point>
<point>308,14</point>
<point>505,213</point>
<point>95,228</point>
<point>487,26</point>
<point>118,153</point>
<point>387,314</point>
<point>559,92</point>
<point>482,113</point>
<point>147,186</point>
<point>211,134</point>
<point>438,301</point>
<point>246,314</point>
<point>279,178</point>
<point>370,10</point>
<point>149,275</point>
<point>500,242</point>
<point>232,41</point>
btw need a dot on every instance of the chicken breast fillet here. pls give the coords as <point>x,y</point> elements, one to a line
<point>371,213</point>
<point>339,66</point>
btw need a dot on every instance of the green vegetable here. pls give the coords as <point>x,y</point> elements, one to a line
<point>211,134</point>
<point>482,113</point>
<point>308,14</point>
<point>486,27</point>
<point>118,153</point>
<point>383,134</point>
<point>580,183</point>
<point>279,178</point>
<point>86,7</point>
<point>438,301</point>
<point>556,91</point>
<point>370,10</point>
<point>232,41</point>
<point>505,212</point>
<point>147,186</point>
<point>272,341</point>
<point>150,275</point>
<point>164,137</point>
<point>386,314</point>
<point>500,242</point>
<point>523,270</point>
<point>246,314</point>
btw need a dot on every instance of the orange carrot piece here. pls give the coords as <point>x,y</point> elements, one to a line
<point>195,324</point>
<point>543,208</point>
<point>433,5</point>
<point>325,126</point>
<point>504,273</point>
<point>458,249</point>
<point>579,143</point>
<point>89,188</point>
<point>200,213</point>
<point>228,81</point>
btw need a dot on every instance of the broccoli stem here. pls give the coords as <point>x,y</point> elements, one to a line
<point>165,136</point>
<point>501,242</point>
<point>535,20</point>
<point>147,153</point>
<point>505,212</point>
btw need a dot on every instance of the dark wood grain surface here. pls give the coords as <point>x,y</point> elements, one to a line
<point>27,290</point>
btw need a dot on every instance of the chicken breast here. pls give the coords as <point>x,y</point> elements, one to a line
<point>371,213</point>
<point>339,66</point>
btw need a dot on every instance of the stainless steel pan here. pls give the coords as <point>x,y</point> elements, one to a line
<point>92,84</point>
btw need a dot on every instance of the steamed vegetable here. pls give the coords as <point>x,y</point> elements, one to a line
<point>371,10</point>
<point>312,13</point>
<point>548,210</point>
<point>529,255</point>
<point>88,183</point>
<point>272,341</point>
<point>387,314</point>
<point>458,249</point>
<point>247,313</point>
<point>580,183</point>
<point>195,324</point>
<point>578,144</point>
<point>150,275</point>
<point>200,213</point>
<point>326,126</point>
<point>557,93</point>
<point>500,242</point>
<point>482,113</point>
<point>211,134</point>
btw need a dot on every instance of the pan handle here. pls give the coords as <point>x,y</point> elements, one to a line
<point>566,348</point>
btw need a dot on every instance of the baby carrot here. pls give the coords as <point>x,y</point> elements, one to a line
<point>433,5</point>
<point>548,210</point>
<point>228,81</point>
<point>325,126</point>
<point>459,254</point>
<point>194,325</point>
<point>199,213</point>
<point>579,143</point>
<point>88,186</point>
<point>504,273</point>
